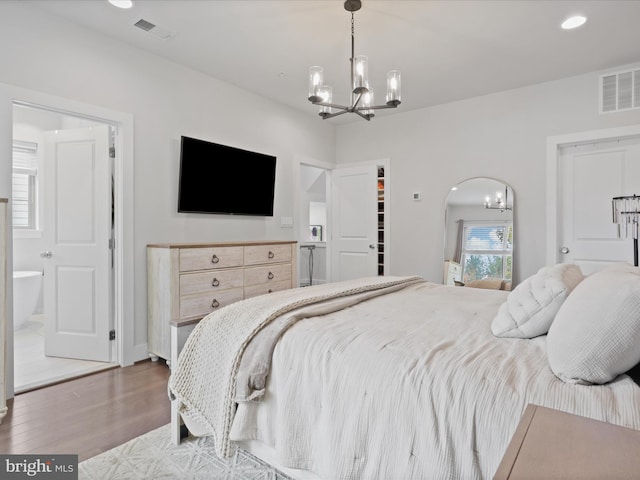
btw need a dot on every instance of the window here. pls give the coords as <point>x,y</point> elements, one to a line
<point>487,251</point>
<point>24,185</point>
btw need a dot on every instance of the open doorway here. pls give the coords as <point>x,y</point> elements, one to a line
<point>62,208</point>
<point>314,225</point>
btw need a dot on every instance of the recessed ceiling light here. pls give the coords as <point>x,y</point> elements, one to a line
<point>573,22</point>
<point>121,3</point>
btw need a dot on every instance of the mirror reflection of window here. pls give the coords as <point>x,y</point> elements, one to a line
<point>479,236</point>
<point>487,250</point>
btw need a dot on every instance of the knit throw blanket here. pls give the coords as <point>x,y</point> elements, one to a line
<point>204,380</point>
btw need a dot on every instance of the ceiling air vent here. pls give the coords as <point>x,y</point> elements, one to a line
<point>620,91</point>
<point>153,29</point>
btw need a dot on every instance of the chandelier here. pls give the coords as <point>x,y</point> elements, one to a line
<point>362,94</point>
<point>500,202</point>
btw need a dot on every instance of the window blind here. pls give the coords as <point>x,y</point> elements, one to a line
<point>487,238</point>
<point>25,169</point>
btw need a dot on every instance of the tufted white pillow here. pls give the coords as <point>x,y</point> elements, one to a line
<point>532,305</point>
<point>596,334</point>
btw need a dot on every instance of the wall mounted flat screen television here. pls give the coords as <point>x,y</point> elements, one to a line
<point>220,179</point>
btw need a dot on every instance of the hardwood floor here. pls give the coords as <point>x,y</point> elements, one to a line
<point>88,415</point>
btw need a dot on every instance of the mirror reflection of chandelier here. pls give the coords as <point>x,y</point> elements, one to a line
<point>362,94</point>
<point>500,201</point>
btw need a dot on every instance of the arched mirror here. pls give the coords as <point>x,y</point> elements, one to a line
<point>479,237</point>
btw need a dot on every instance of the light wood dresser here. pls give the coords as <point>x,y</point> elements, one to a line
<point>187,281</point>
<point>550,444</point>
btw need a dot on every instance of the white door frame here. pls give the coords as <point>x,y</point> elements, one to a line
<point>125,350</point>
<point>554,144</point>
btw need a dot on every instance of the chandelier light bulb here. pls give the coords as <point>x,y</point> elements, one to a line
<point>361,74</point>
<point>367,101</point>
<point>325,92</point>
<point>315,82</point>
<point>393,87</point>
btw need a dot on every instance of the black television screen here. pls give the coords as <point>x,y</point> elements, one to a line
<point>217,178</point>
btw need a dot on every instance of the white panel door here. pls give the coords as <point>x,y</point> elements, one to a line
<point>77,219</point>
<point>590,176</point>
<point>355,222</point>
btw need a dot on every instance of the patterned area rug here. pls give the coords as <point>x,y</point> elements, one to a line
<point>153,456</point>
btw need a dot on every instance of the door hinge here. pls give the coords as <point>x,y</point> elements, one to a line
<point>112,334</point>
<point>112,244</point>
<point>112,152</point>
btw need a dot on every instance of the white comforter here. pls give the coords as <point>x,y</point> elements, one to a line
<point>203,384</point>
<point>412,385</point>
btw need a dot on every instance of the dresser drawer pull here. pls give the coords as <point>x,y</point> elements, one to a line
<point>271,254</point>
<point>270,276</point>
<point>215,282</point>
<point>215,303</point>
<point>215,259</point>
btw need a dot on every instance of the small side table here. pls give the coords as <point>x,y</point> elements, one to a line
<point>551,444</point>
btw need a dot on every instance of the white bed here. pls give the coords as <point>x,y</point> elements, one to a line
<point>410,384</point>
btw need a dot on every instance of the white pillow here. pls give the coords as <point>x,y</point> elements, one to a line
<point>532,305</point>
<point>596,334</point>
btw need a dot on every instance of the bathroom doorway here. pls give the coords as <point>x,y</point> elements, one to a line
<point>49,308</point>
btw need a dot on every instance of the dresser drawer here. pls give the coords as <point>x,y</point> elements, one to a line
<point>201,305</point>
<point>260,254</point>
<point>208,258</point>
<point>211,281</point>
<point>255,290</point>
<point>267,274</point>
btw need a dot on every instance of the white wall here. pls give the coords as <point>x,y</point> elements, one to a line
<point>43,53</point>
<point>499,136</point>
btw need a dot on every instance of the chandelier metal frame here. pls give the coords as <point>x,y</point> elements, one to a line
<point>321,95</point>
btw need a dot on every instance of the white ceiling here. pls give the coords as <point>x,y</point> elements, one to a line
<point>447,50</point>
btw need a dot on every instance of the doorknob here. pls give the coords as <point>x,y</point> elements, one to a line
<point>46,254</point>
<point>372,246</point>
<point>564,250</point>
